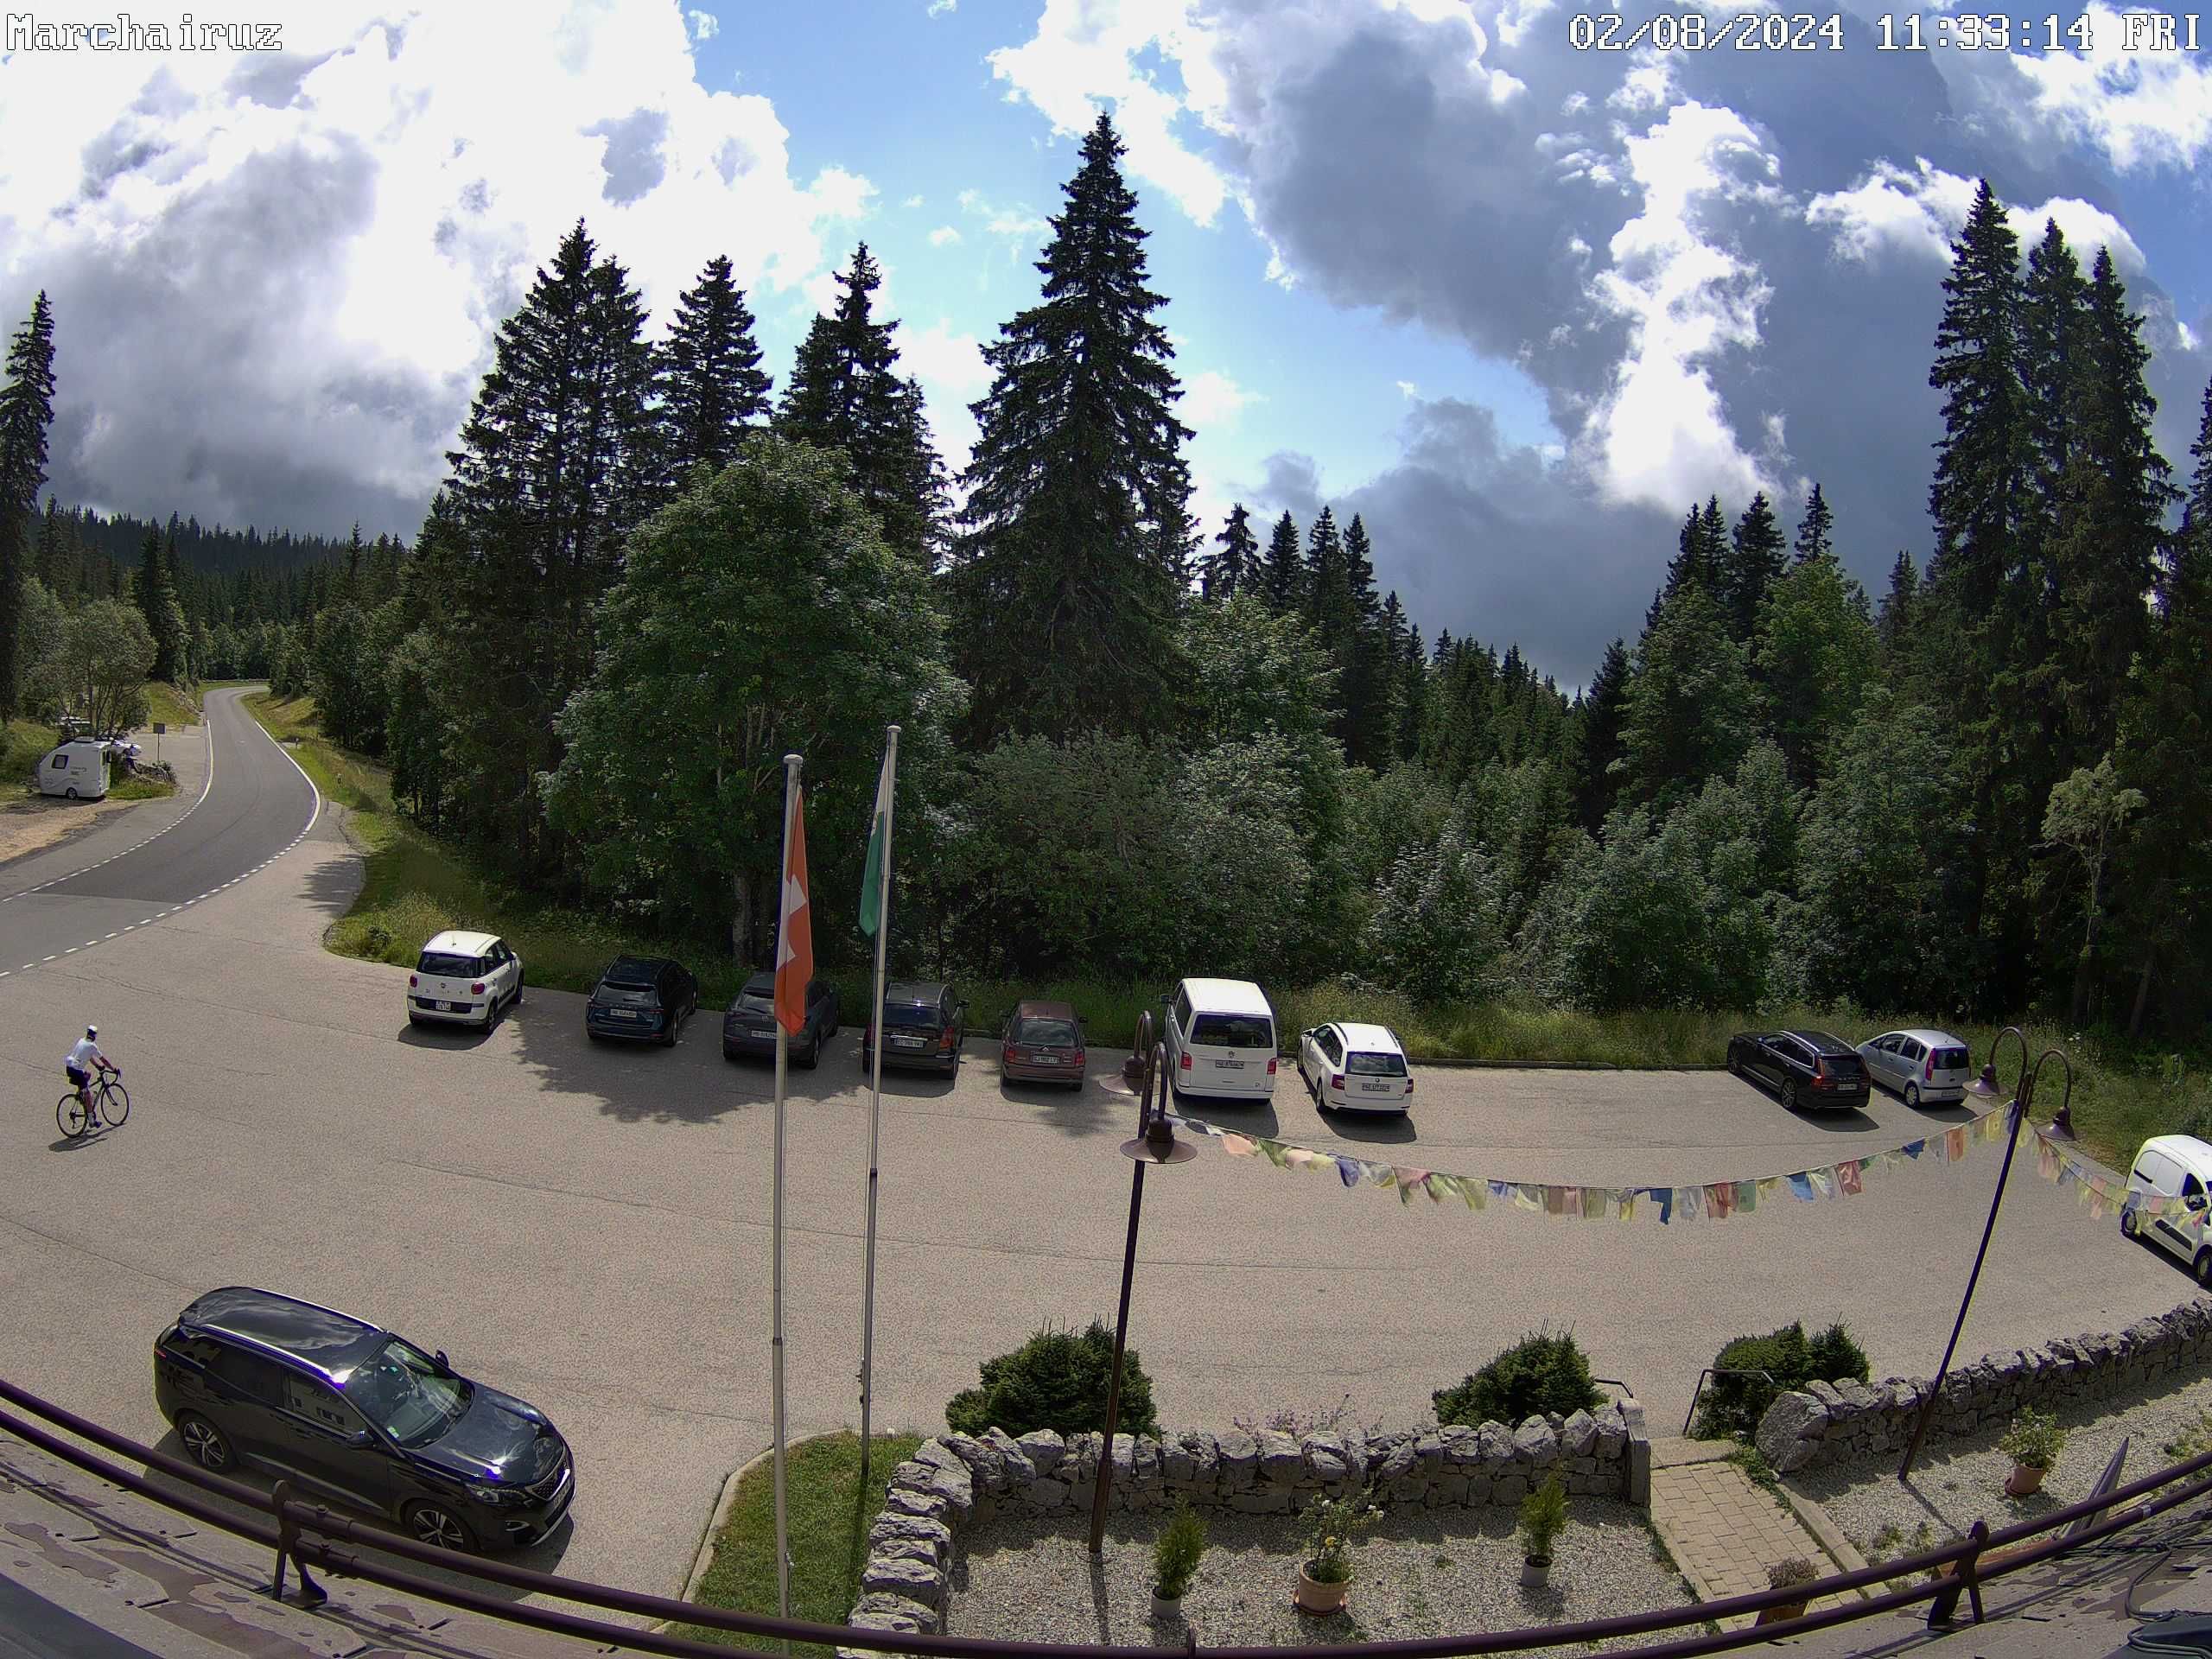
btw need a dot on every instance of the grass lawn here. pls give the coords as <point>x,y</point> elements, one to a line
<point>23,744</point>
<point>140,788</point>
<point>173,706</point>
<point>826,1517</point>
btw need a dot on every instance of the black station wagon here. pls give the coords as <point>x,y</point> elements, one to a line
<point>353,1414</point>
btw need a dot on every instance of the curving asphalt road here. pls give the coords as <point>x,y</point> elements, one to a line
<point>241,802</point>
<point>588,1226</point>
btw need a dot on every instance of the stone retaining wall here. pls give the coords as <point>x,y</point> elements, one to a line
<point>955,1479</point>
<point>1840,1422</point>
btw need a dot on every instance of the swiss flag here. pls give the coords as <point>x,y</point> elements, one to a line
<point>795,932</point>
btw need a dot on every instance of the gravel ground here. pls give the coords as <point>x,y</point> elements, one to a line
<point>1427,1574</point>
<point>1956,1482</point>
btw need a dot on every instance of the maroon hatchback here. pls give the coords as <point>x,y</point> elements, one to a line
<point>1043,1043</point>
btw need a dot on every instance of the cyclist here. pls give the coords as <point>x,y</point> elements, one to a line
<point>83,1054</point>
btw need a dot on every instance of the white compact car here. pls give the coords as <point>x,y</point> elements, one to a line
<point>1349,1067</point>
<point>2172,1166</point>
<point>1927,1068</point>
<point>463,979</point>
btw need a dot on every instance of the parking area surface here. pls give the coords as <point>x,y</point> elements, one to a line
<point>587,1227</point>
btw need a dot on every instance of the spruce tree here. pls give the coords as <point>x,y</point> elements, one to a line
<point>1893,624</point>
<point>2053,304</point>
<point>1605,707</point>
<point>1363,657</point>
<point>1701,549</point>
<point>57,554</point>
<point>1982,459</point>
<point>1283,576</point>
<point>712,387</point>
<point>845,394</point>
<point>1327,593</point>
<point>1077,526</point>
<point>1757,555</point>
<point>1816,530</point>
<point>1237,565</point>
<point>25,413</point>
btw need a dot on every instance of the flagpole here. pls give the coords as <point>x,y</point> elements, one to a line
<point>791,763</point>
<point>875,1112</point>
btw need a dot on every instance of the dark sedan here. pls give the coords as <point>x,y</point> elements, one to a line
<point>351,1414</point>
<point>641,998</point>
<point>749,1027</point>
<point>1043,1043</point>
<point>1805,1068</point>
<point>924,1024</point>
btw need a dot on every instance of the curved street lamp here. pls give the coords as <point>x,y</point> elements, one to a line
<point>1985,1087</point>
<point>1155,1143</point>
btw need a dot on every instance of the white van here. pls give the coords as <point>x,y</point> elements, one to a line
<point>1221,1040</point>
<point>2174,1166</point>
<point>78,770</point>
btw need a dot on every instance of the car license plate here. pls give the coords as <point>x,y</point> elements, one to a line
<point>761,1030</point>
<point>907,1042</point>
<point>623,1013</point>
<point>458,1008</point>
<point>1376,1088</point>
<point>1231,1066</point>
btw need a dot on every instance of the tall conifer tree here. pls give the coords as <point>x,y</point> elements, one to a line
<point>1605,708</point>
<point>1757,557</point>
<point>712,387</point>
<point>1237,565</point>
<point>1073,561</point>
<point>1816,530</point>
<point>25,413</point>
<point>1283,577</point>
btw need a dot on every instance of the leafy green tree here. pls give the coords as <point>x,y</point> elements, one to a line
<point>758,614</point>
<point>1689,714</point>
<point>1626,925</point>
<point>347,674</point>
<point>1283,575</point>
<point>1392,813</point>
<point>1520,813</point>
<point>2087,815</point>
<point>1233,833</point>
<point>712,386</point>
<point>1816,654</point>
<point>414,686</point>
<point>1236,566</point>
<point>39,624</point>
<point>1072,563</point>
<point>1437,932</point>
<point>25,413</point>
<point>100,669</point>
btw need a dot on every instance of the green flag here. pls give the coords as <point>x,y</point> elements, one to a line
<point>878,852</point>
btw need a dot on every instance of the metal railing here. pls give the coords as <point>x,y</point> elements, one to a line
<point>310,1534</point>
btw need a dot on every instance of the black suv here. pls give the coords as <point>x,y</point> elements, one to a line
<point>749,1027</point>
<point>1806,1068</point>
<point>642,999</point>
<point>352,1414</point>
<point>924,1023</point>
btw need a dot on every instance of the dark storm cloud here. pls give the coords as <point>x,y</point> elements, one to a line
<point>1388,176</point>
<point>169,400</point>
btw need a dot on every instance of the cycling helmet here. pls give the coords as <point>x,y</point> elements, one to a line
<point>91,1031</point>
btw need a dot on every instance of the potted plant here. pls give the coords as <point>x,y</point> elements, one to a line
<point>1784,1575</point>
<point>1331,1524</point>
<point>1175,1555</point>
<point>1543,1515</point>
<point>2033,1442</point>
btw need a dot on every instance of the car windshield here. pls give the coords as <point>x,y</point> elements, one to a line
<point>1047,1034</point>
<point>1233,1031</point>
<point>751,1001</point>
<point>400,1390</point>
<point>1376,1065</point>
<point>447,967</point>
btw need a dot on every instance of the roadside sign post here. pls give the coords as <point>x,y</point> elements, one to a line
<point>159,727</point>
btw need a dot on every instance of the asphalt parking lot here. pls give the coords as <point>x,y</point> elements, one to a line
<point>588,1226</point>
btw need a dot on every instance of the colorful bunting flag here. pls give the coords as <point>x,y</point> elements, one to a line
<point>1846,1177</point>
<point>1594,1203</point>
<point>1955,1146</point>
<point>1348,1169</point>
<point>1800,1185</point>
<point>1747,1197</point>
<point>1528,1196</point>
<point>1720,1200</point>
<point>1823,1181</point>
<point>1236,1145</point>
<point>1629,1195</point>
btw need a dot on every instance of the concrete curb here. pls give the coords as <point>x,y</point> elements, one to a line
<point>1829,1537</point>
<point>704,1558</point>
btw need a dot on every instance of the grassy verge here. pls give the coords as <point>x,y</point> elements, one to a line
<point>140,788</point>
<point>827,1518</point>
<point>23,743</point>
<point>172,705</point>
<point>417,886</point>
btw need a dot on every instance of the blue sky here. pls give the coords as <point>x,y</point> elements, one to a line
<point>1520,306</point>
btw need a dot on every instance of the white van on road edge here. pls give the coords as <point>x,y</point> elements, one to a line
<point>1221,1040</point>
<point>2174,1166</point>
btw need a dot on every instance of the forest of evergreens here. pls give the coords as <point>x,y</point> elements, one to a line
<point>1135,745</point>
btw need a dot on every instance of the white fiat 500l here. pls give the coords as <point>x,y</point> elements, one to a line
<point>1349,1067</point>
<point>463,979</point>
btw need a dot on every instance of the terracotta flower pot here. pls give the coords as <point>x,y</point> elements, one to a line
<point>1535,1571</point>
<point>1316,1596</point>
<point>2024,1480</point>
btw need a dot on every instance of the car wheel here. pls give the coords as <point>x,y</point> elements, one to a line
<point>205,1444</point>
<point>2127,1223</point>
<point>518,1001</point>
<point>813,1052</point>
<point>71,793</point>
<point>1790,1095</point>
<point>415,1019</point>
<point>1912,1095</point>
<point>2202,1269</point>
<point>1735,1065</point>
<point>434,1523</point>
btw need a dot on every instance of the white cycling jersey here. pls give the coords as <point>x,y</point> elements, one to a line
<point>84,1054</point>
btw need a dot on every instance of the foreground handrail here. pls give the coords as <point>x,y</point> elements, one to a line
<point>1963,1559</point>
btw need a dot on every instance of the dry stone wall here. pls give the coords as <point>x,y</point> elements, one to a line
<point>1840,1422</point>
<point>955,1479</point>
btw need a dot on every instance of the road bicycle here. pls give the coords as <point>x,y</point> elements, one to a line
<point>110,1105</point>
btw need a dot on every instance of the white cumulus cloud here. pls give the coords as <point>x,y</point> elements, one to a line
<point>1212,399</point>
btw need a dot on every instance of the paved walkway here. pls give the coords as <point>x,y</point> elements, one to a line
<point>1725,1530</point>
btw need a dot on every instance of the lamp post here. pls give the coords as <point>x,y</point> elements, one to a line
<point>1155,1143</point>
<point>1985,1087</point>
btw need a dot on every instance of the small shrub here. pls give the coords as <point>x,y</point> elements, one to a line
<point>1332,1525</point>
<point>1733,1405</point>
<point>2034,1440</point>
<point>1288,1419</point>
<point>1177,1551</point>
<point>1796,1570</point>
<point>1543,1517</point>
<point>2193,1441</point>
<point>1056,1380</point>
<point>1539,1373</point>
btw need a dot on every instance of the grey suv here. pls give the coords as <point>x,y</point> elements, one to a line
<point>353,1414</point>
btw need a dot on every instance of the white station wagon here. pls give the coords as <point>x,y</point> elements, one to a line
<point>464,979</point>
<point>1349,1067</point>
